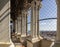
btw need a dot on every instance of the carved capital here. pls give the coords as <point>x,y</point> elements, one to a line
<point>36,3</point>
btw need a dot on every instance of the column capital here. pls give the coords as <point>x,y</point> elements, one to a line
<point>36,3</point>
<point>24,12</point>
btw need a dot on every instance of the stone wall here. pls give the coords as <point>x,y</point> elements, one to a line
<point>5,23</point>
<point>45,43</point>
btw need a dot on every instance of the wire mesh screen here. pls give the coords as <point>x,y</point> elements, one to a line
<point>48,12</point>
<point>29,21</point>
<point>47,18</point>
<point>48,25</point>
<point>48,9</point>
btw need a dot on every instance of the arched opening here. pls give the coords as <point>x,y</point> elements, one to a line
<point>48,19</point>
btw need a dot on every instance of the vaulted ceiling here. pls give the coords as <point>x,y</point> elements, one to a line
<point>19,5</point>
<point>16,5</point>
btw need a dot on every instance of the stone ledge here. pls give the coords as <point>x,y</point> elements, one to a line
<point>46,43</point>
<point>23,35</point>
<point>34,40</point>
<point>4,44</point>
<point>57,44</point>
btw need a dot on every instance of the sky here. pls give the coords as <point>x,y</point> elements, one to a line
<point>48,10</point>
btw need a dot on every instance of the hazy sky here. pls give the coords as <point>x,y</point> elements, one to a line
<point>48,10</point>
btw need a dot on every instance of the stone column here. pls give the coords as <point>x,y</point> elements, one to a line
<point>34,40</point>
<point>58,20</point>
<point>24,26</point>
<point>16,26</point>
<point>19,24</point>
<point>57,41</point>
<point>35,19</point>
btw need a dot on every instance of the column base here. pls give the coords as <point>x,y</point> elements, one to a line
<point>57,44</point>
<point>18,35</point>
<point>18,45</point>
<point>23,40</point>
<point>4,44</point>
<point>34,42</point>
